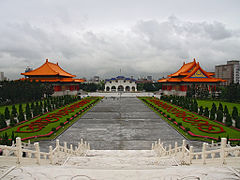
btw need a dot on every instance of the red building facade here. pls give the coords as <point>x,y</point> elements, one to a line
<point>189,74</point>
<point>63,82</point>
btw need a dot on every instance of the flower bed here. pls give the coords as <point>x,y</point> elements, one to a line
<point>200,127</point>
<point>40,123</point>
<point>44,125</point>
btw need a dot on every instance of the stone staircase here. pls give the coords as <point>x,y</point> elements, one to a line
<point>120,159</point>
<point>118,165</point>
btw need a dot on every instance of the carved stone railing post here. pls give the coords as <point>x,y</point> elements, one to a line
<point>176,148</point>
<point>222,153</point>
<point>65,147</point>
<point>183,148</point>
<point>204,153</point>
<point>190,154</point>
<point>19,150</point>
<point>51,154</point>
<point>88,146</point>
<point>36,144</point>
<point>57,147</point>
<point>170,149</point>
<point>71,148</point>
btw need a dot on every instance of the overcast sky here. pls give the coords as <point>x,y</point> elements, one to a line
<point>98,37</point>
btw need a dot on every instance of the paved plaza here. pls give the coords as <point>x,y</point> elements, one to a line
<point>120,124</point>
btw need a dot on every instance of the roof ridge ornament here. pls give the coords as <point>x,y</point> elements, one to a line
<point>46,60</point>
<point>194,60</point>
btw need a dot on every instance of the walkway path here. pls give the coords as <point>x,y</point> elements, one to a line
<point>120,124</point>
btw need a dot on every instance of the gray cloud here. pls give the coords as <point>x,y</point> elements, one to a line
<point>146,46</point>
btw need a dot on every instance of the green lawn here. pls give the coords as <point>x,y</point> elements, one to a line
<point>232,133</point>
<point>49,126</point>
<point>208,103</point>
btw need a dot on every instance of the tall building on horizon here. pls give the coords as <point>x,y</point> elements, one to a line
<point>229,72</point>
<point>1,76</point>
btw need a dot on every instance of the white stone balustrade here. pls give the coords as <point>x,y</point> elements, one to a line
<point>220,154</point>
<point>20,153</point>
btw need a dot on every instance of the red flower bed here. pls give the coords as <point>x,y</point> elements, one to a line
<point>38,124</point>
<point>202,125</point>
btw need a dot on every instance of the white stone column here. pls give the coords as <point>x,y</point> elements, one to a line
<point>65,147</point>
<point>51,154</point>
<point>19,149</point>
<point>71,148</point>
<point>176,148</point>
<point>37,152</point>
<point>204,153</point>
<point>57,145</point>
<point>222,153</point>
<point>190,154</point>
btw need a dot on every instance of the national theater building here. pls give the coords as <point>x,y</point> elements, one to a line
<point>189,74</point>
<point>62,81</point>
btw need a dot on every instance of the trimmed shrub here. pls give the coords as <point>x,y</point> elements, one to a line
<point>235,113</point>
<point>228,120</point>
<point>219,116</point>
<point>206,112</point>
<point>200,110</point>
<point>7,113</point>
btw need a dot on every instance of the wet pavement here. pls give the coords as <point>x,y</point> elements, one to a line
<point>120,124</point>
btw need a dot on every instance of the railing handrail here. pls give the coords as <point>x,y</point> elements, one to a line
<point>188,154</point>
<point>53,154</point>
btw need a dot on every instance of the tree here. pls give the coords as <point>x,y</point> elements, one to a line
<point>206,112</point>
<point>226,110</point>
<point>200,110</point>
<point>220,107</point>
<point>32,106</point>
<point>214,107</point>
<point>235,113</point>
<point>195,106</point>
<point>219,116</point>
<point>7,113</point>
<point>12,92</point>
<point>5,140</point>
<point>14,111</point>
<point>228,121</point>
<point>28,112</point>
<point>237,124</point>
<point>3,123</point>
<point>231,93</point>
<point>13,137</point>
<point>20,108</point>
<point>12,121</point>
<point>21,117</point>
<point>212,114</point>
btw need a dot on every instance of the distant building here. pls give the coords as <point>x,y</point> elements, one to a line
<point>229,72</point>
<point>95,79</point>
<point>63,82</point>
<point>120,84</point>
<point>2,78</point>
<point>149,78</point>
<point>189,74</point>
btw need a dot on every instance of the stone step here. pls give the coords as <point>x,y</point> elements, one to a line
<point>120,159</point>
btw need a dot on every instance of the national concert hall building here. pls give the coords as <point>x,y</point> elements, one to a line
<point>189,74</point>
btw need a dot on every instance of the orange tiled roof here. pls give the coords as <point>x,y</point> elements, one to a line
<point>48,69</point>
<point>191,72</point>
<point>184,69</point>
<point>54,79</point>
